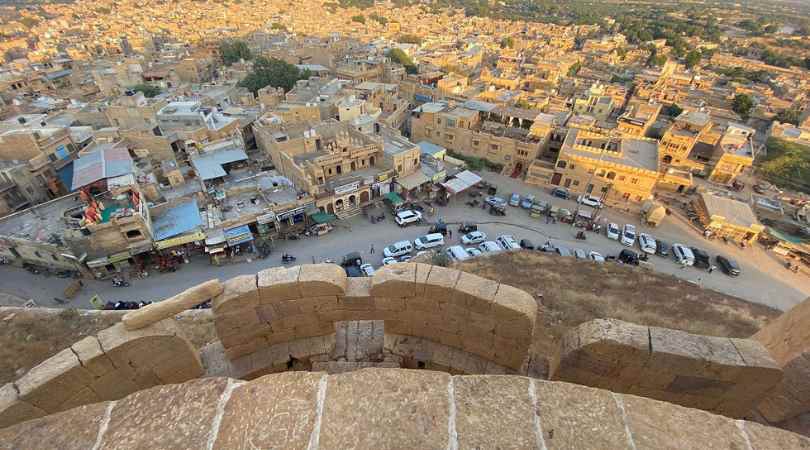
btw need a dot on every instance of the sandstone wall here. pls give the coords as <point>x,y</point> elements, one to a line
<point>108,366</point>
<point>389,409</point>
<point>482,317</point>
<point>788,340</point>
<point>722,375</point>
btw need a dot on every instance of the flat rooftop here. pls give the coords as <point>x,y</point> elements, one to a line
<point>44,222</point>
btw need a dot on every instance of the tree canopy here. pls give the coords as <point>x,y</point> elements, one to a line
<point>692,58</point>
<point>272,72</point>
<point>359,18</point>
<point>147,89</point>
<point>398,56</point>
<point>673,110</point>
<point>742,105</point>
<point>791,115</point>
<point>233,51</point>
<point>786,164</point>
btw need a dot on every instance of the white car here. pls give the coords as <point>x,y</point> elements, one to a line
<point>457,253</point>
<point>387,261</point>
<point>473,237</point>
<point>367,269</point>
<point>428,241</point>
<point>647,243</point>
<point>612,231</point>
<point>508,242</point>
<point>473,252</point>
<point>628,235</point>
<point>489,247</point>
<point>398,249</point>
<point>407,217</point>
<point>580,254</point>
<point>683,254</point>
<point>589,200</point>
<point>596,257</point>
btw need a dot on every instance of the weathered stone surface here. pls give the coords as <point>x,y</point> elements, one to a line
<point>171,416</point>
<point>277,411</point>
<point>769,438</point>
<point>395,280</point>
<point>386,409</point>
<point>238,292</point>
<point>475,293</point>
<point>158,311</point>
<point>278,284</point>
<point>573,416</point>
<point>440,285</point>
<point>54,381</point>
<point>321,280</point>
<point>13,410</point>
<point>75,429</point>
<point>487,405</point>
<point>658,425</point>
<point>92,357</point>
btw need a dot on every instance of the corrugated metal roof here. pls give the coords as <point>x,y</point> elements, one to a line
<point>101,164</point>
<point>209,166</point>
<point>177,220</point>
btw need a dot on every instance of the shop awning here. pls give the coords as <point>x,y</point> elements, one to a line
<point>238,235</point>
<point>394,198</point>
<point>180,240</point>
<point>413,180</point>
<point>463,180</point>
<point>322,217</point>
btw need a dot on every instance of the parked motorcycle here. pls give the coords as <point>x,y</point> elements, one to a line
<point>287,258</point>
<point>581,235</point>
<point>120,282</point>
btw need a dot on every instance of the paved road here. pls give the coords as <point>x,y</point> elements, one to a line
<point>764,279</point>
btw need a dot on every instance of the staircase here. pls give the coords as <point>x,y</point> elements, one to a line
<point>348,213</point>
<point>358,344</point>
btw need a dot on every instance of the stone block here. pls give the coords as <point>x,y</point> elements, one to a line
<point>253,418</point>
<point>423,305</point>
<point>320,280</point>
<point>414,403</point>
<point>13,409</point>
<point>116,339</point>
<point>441,284</point>
<point>422,273</point>
<point>247,348</point>
<point>769,438</point>
<point>313,329</point>
<point>92,357</point>
<point>237,293</point>
<point>71,430</point>
<point>511,304</point>
<point>389,303</point>
<point>478,343</point>
<point>358,295</point>
<point>54,381</point>
<point>116,384</point>
<point>278,336</point>
<point>229,319</point>
<point>278,284</point>
<point>318,304</point>
<point>579,417</point>
<point>486,406</point>
<point>395,281</point>
<point>475,293</point>
<point>268,313</point>
<point>791,395</point>
<point>85,396</point>
<point>172,306</point>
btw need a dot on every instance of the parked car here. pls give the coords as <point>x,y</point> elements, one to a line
<point>439,227</point>
<point>662,248</point>
<point>387,261</point>
<point>404,258</point>
<point>514,199</point>
<point>728,266</point>
<point>560,193</point>
<point>490,247</point>
<point>407,217</point>
<point>428,241</point>
<point>683,255</point>
<point>508,242</point>
<point>596,257</point>
<point>495,201</point>
<point>702,259</point>
<point>628,257</point>
<point>526,244</point>
<point>368,269</point>
<point>457,253</point>
<point>580,254</point>
<point>562,250</point>
<point>467,227</point>
<point>612,231</point>
<point>646,243</point>
<point>352,263</point>
<point>527,202</point>
<point>398,249</point>
<point>473,252</point>
<point>589,200</point>
<point>475,237</point>
<point>628,235</point>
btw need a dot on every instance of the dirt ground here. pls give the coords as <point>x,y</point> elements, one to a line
<point>29,336</point>
<point>570,291</point>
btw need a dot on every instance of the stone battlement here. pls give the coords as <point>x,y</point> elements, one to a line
<point>389,409</point>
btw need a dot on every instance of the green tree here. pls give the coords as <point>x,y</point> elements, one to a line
<point>786,164</point>
<point>278,26</point>
<point>29,22</point>
<point>272,72</point>
<point>574,69</point>
<point>147,89</point>
<point>233,51</point>
<point>398,56</point>
<point>378,18</point>
<point>409,39</point>
<point>359,18</point>
<point>507,42</point>
<point>673,110</point>
<point>789,116</point>
<point>692,58</point>
<point>742,105</point>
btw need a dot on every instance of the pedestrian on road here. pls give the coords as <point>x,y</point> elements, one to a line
<point>371,250</point>
<point>711,268</point>
<point>450,233</point>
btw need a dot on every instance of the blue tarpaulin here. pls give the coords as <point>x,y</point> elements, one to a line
<point>238,235</point>
<point>177,220</point>
<point>209,166</point>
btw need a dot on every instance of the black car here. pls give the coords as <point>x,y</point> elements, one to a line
<point>439,227</point>
<point>662,248</point>
<point>527,244</point>
<point>351,264</point>
<point>728,266</point>
<point>702,259</point>
<point>467,227</point>
<point>628,257</point>
<point>560,193</point>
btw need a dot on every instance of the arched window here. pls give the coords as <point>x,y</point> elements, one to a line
<point>561,164</point>
<point>611,175</point>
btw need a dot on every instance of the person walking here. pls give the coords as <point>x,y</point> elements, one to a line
<point>450,233</point>
<point>371,249</point>
<point>711,268</point>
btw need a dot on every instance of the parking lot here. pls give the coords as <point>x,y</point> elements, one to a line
<point>764,280</point>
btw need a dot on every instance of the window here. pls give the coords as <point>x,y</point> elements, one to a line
<point>634,181</point>
<point>605,188</point>
<point>638,198</point>
<point>450,137</point>
<point>561,164</point>
<point>475,143</point>
<point>493,147</point>
<point>611,175</point>
<point>133,234</point>
<point>576,183</point>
